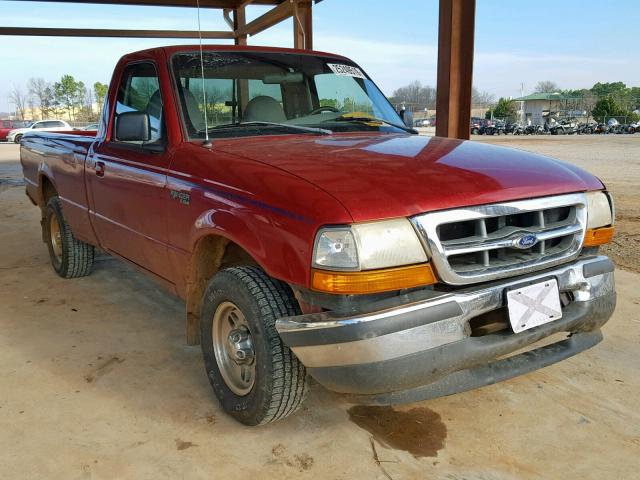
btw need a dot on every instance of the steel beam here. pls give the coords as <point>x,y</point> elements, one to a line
<point>103,32</point>
<point>303,25</point>
<point>171,3</point>
<point>455,67</point>
<point>269,19</point>
<point>240,21</point>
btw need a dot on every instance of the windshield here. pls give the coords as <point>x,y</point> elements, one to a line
<point>255,93</point>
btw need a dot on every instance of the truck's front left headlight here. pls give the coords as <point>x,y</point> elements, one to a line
<point>600,219</point>
<point>368,246</point>
<point>369,258</point>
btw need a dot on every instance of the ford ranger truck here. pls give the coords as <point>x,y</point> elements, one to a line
<point>311,233</point>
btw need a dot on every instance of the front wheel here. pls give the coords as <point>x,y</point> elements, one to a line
<point>17,138</point>
<point>256,378</point>
<point>70,257</point>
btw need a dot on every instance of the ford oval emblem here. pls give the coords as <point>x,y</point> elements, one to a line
<point>526,241</point>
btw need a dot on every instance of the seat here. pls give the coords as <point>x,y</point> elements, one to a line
<point>154,106</point>
<point>264,109</point>
<point>196,116</point>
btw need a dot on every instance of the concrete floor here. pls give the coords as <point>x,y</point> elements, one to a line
<point>96,382</point>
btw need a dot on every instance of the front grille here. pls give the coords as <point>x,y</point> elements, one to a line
<point>477,244</point>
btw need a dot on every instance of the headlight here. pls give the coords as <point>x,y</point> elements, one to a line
<point>599,210</point>
<point>368,246</point>
<point>600,218</point>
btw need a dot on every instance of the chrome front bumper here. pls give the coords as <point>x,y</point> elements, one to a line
<point>421,342</point>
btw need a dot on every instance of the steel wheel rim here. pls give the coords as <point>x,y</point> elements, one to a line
<point>55,237</point>
<point>233,348</point>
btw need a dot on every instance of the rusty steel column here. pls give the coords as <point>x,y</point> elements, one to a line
<point>239,21</point>
<point>455,67</point>
<point>303,25</point>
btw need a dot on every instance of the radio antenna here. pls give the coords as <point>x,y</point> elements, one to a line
<point>207,142</point>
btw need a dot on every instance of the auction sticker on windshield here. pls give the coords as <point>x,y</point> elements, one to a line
<point>346,70</point>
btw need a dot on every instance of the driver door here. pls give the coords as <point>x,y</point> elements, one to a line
<point>127,179</point>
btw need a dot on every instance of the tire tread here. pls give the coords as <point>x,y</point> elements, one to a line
<point>288,385</point>
<point>78,256</point>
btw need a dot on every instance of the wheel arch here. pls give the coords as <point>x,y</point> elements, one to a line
<point>46,190</point>
<point>211,253</point>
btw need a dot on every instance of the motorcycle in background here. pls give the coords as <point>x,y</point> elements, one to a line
<point>534,130</point>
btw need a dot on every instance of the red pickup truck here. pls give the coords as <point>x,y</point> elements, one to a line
<point>310,232</point>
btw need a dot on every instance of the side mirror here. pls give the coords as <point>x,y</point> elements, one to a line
<point>407,118</point>
<point>133,127</point>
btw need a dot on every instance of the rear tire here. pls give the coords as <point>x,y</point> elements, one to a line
<point>239,311</point>
<point>70,257</point>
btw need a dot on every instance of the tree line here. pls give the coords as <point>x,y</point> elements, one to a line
<point>421,96</point>
<point>67,97</point>
<point>601,102</point>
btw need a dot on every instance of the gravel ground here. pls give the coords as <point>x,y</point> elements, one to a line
<point>615,159</point>
<point>97,383</point>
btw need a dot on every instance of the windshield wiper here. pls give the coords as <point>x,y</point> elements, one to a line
<point>299,128</point>
<point>345,118</point>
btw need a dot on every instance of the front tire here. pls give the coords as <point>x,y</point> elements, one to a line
<point>70,257</point>
<point>17,138</point>
<point>256,377</point>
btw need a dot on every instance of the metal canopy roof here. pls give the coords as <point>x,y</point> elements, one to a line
<point>176,3</point>
<point>233,11</point>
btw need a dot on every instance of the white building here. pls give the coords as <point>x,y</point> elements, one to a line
<point>539,107</point>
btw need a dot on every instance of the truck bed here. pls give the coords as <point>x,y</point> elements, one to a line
<point>59,155</point>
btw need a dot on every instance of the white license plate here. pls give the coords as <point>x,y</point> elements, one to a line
<point>534,305</point>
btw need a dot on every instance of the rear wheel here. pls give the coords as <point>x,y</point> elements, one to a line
<point>70,257</point>
<point>256,378</point>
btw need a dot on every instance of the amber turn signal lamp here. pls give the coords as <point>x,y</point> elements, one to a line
<point>373,281</point>
<point>598,236</point>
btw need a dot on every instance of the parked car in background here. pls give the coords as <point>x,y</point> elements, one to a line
<point>91,126</point>
<point>7,125</point>
<point>563,127</point>
<point>48,125</point>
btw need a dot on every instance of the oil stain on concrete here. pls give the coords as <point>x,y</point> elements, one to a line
<point>419,431</point>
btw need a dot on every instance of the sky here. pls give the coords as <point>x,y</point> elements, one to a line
<point>573,43</point>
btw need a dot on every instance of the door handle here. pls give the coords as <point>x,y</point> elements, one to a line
<point>100,169</point>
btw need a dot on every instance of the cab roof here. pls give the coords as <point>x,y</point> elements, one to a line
<point>171,49</point>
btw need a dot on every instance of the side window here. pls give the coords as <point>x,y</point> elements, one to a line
<point>57,124</point>
<point>139,91</point>
<point>39,125</point>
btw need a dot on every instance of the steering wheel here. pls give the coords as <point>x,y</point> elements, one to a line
<point>325,108</point>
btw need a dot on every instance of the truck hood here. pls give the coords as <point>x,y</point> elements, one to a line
<point>378,176</point>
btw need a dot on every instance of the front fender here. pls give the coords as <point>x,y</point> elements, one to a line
<point>280,248</point>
